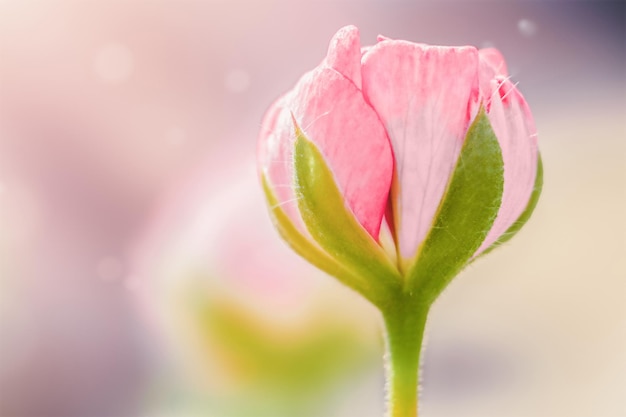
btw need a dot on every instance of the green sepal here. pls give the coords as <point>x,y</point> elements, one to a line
<point>528,211</point>
<point>311,252</point>
<point>334,226</point>
<point>465,215</point>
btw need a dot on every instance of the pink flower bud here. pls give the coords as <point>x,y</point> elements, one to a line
<point>424,140</point>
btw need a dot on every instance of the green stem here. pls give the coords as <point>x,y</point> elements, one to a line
<point>404,324</point>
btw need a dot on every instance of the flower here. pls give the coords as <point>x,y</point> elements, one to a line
<point>396,165</point>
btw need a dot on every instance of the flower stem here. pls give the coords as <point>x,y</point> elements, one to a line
<point>404,324</point>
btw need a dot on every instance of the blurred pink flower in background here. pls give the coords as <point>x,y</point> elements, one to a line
<point>263,332</point>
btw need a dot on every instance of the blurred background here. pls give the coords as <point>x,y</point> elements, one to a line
<point>139,274</point>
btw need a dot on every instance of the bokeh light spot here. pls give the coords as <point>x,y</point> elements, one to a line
<point>113,63</point>
<point>527,27</point>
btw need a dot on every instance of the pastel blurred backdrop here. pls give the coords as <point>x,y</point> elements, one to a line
<point>139,275</point>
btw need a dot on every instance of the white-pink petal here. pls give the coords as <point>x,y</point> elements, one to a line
<point>275,157</point>
<point>515,129</point>
<point>426,97</point>
<point>493,58</point>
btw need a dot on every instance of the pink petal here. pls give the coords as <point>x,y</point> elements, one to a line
<point>344,54</point>
<point>491,66</point>
<point>514,126</point>
<point>334,115</point>
<point>494,59</point>
<point>275,156</point>
<point>426,96</point>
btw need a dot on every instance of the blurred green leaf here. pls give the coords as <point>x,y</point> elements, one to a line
<point>278,370</point>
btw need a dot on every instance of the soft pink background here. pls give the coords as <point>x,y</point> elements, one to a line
<point>105,106</point>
